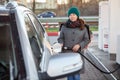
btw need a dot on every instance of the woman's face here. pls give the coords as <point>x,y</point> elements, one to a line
<point>73,17</point>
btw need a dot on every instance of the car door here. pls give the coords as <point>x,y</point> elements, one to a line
<point>43,42</point>
<point>52,66</point>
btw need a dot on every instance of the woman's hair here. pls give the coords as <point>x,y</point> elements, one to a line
<point>82,23</point>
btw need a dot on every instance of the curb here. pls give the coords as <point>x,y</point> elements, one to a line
<point>52,33</point>
<point>56,33</point>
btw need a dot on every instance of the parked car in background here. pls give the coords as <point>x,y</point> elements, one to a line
<point>47,14</point>
<point>25,52</point>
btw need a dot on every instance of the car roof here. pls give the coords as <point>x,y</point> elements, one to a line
<point>3,10</point>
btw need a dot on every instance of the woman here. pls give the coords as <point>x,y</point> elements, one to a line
<point>73,35</point>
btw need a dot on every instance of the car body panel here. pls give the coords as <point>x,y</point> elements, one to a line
<point>29,62</point>
<point>54,70</point>
<point>30,53</point>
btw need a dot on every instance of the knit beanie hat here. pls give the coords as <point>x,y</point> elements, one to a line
<point>74,10</point>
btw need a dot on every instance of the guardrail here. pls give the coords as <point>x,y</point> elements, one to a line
<point>55,22</point>
<point>92,20</point>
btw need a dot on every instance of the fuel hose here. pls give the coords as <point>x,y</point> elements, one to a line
<point>110,72</point>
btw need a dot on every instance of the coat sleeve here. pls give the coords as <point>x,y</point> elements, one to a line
<point>85,40</point>
<point>61,36</point>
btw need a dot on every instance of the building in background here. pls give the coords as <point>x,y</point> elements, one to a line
<point>60,7</point>
<point>56,6</point>
<point>49,5</point>
<point>3,2</point>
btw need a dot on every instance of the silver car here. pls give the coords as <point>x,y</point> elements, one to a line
<point>25,52</point>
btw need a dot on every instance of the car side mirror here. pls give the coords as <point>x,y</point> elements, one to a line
<point>63,64</point>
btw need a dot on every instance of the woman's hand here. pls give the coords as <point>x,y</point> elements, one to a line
<point>76,47</point>
<point>61,45</point>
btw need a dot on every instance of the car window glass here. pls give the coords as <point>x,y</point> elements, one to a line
<point>33,38</point>
<point>13,60</point>
<point>37,25</point>
<point>9,66</point>
<point>16,46</point>
<point>39,28</point>
<point>7,53</point>
<point>4,51</point>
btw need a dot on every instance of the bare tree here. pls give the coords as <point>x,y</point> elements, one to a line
<point>2,2</point>
<point>7,0</point>
<point>33,9</point>
<point>86,8</point>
